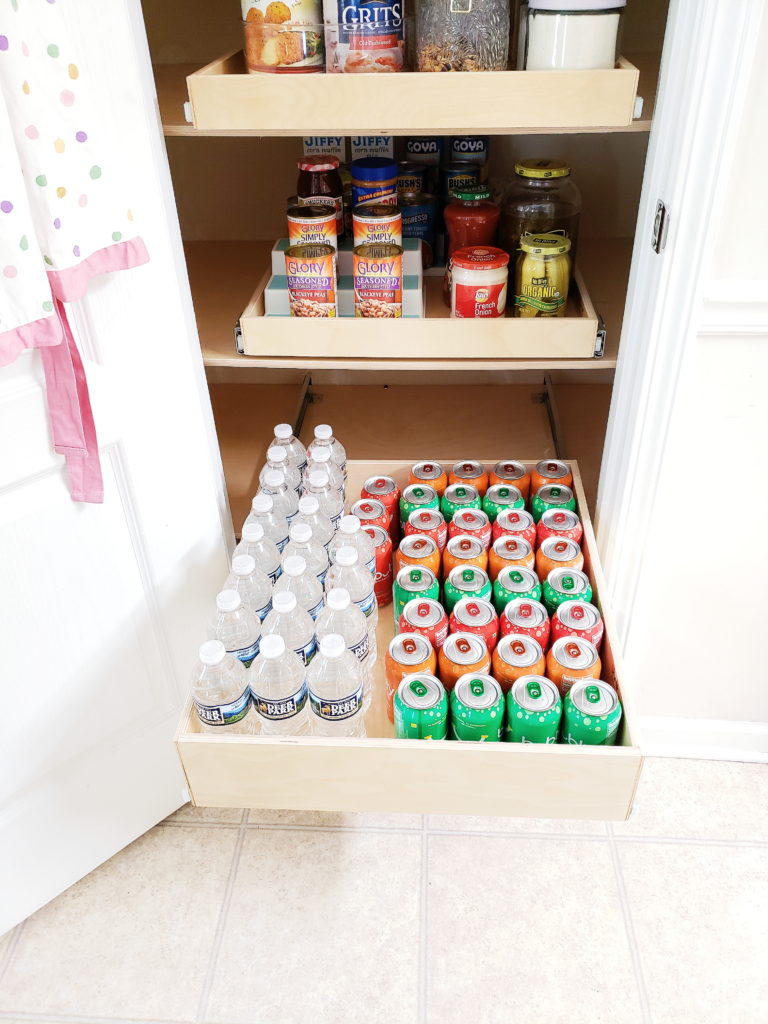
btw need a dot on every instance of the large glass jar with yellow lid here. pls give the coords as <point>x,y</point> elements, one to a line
<point>543,198</point>
<point>542,275</point>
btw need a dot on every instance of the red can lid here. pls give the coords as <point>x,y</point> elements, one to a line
<point>318,163</point>
<point>477,257</point>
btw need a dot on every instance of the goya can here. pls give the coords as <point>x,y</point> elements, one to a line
<point>579,619</point>
<point>311,274</point>
<point>425,616</point>
<point>470,149</point>
<point>417,549</point>
<point>471,522</point>
<point>371,512</point>
<point>475,615</point>
<point>312,225</point>
<point>515,522</point>
<point>534,711</point>
<point>477,709</point>
<point>416,497</point>
<point>382,585</point>
<point>411,177</point>
<point>385,490</point>
<point>559,522</point>
<point>461,552</point>
<point>377,272</point>
<point>516,655</point>
<point>591,714</point>
<point>407,653</point>
<point>557,553</point>
<point>457,497</point>
<point>462,653</point>
<point>377,223</point>
<point>527,617</point>
<point>551,471</point>
<point>499,497</point>
<point>565,585</point>
<point>465,582</point>
<point>470,472</point>
<point>413,581</point>
<point>512,583</point>
<point>427,149</point>
<point>430,473</point>
<point>571,659</point>
<point>419,212</point>
<point>421,708</point>
<point>509,553</point>
<point>552,496</point>
<point>510,472</point>
<point>430,523</point>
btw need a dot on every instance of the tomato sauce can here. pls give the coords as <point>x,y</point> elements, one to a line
<point>462,653</point>
<point>382,543</point>
<point>377,272</point>
<point>516,655</point>
<point>528,617</point>
<point>426,616</point>
<point>311,273</point>
<point>470,472</point>
<point>509,552</point>
<point>312,225</point>
<point>551,471</point>
<point>515,522</point>
<point>558,553</point>
<point>407,653</point>
<point>559,522</point>
<point>418,549</point>
<point>571,659</point>
<point>510,472</point>
<point>430,522</point>
<point>371,512</point>
<point>431,473</point>
<point>377,223</point>
<point>385,490</point>
<point>464,551</point>
<point>475,615</point>
<point>579,619</point>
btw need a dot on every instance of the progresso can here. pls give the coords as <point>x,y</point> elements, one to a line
<point>512,583</point>
<point>509,552</point>
<point>551,496</point>
<point>534,710</point>
<point>421,708</point>
<point>470,472</point>
<point>477,709</point>
<point>517,655</point>
<point>382,543</point>
<point>551,471</point>
<point>591,714</point>
<point>559,522</point>
<point>579,619</point>
<point>377,274</point>
<point>416,497</point>
<point>476,615</point>
<point>419,212</point>
<point>527,617</point>
<point>557,553</point>
<point>565,585</point>
<point>515,522</point>
<point>457,497</point>
<point>499,497</point>
<point>510,472</point>
<point>461,552</point>
<point>571,659</point>
<point>465,582</point>
<point>471,522</point>
<point>411,177</point>
<point>462,653</point>
<point>427,617</point>
<point>431,473</point>
<point>407,653</point>
<point>430,523</point>
<point>385,490</point>
<point>413,581</point>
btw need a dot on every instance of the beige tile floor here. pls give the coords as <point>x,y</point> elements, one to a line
<point>233,917</point>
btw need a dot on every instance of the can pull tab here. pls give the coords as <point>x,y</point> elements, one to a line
<point>419,492</point>
<point>467,575</point>
<point>415,575</point>
<point>417,688</point>
<point>534,690</point>
<point>461,492</point>
<point>503,492</point>
<point>592,693</point>
<point>568,582</point>
<point>477,686</point>
<point>516,576</point>
<point>555,492</point>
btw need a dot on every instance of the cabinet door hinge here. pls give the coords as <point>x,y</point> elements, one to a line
<point>660,227</point>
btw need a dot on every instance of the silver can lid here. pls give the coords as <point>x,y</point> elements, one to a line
<point>468,469</point>
<point>468,577</point>
<point>517,579</point>
<point>427,470</point>
<point>568,581</point>
<point>474,611</point>
<point>464,546</point>
<point>470,519</point>
<point>560,519</point>
<point>379,485</point>
<point>425,519</point>
<point>461,494</point>
<point>519,650</point>
<point>423,612</point>
<point>574,652</point>
<point>464,648</point>
<point>512,548</point>
<point>552,469</point>
<point>409,648</point>
<point>368,508</point>
<point>560,549</point>
<point>555,494</point>
<point>535,693</point>
<point>577,614</point>
<point>503,494</point>
<point>420,494</point>
<point>420,691</point>
<point>593,697</point>
<point>524,612</point>
<point>415,578</point>
<point>509,470</point>
<point>477,690</point>
<point>377,534</point>
<point>515,519</point>
<point>417,545</point>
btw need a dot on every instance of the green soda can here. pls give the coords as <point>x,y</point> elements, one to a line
<point>465,581</point>
<point>565,585</point>
<point>477,709</point>
<point>534,710</point>
<point>458,497</point>
<point>500,497</point>
<point>556,496</point>
<point>591,714</point>
<point>413,581</point>
<point>421,708</point>
<point>512,583</point>
<point>416,497</point>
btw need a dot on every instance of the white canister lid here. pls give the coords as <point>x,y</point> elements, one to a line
<point>570,6</point>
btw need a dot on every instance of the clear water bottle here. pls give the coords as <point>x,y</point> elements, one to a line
<point>321,462</point>
<point>347,572</point>
<point>311,514</point>
<point>324,439</point>
<point>342,617</point>
<point>253,585</point>
<point>278,684</point>
<point>220,691</point>
<point>236,626</point>
<point>263,550</point>
<point>297,453</point>
<point>277,460</point>
<point>274,524</point>
<point>352,535</point>
<point>335,690</point>
<point>285,499</point>
<point>299,580</point>
<point>329,499</point>
<point>293,624</point>
<point>302,543</point>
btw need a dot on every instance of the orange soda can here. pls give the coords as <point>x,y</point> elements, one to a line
<point>516,654</point>
<point>570,659</point>
<point>462,653</point>
<point>510,472</point>
<point>515,522</point>
<point>550,471</point>
<point>407,653</point>
<point>418,549</point>
<point>431,473</point>
<point>464,551</point>
<point>470,472</point>
<point>509,551</point>
<point>558,553</point>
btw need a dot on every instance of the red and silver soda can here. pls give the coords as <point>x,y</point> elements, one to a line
<point>471,522</point>
<point>515,522</point>
<point>559,522</point>
<point>525,616</point>
<point>382,542</point>
<point>476,615</point>
<point>371,512</point>
<point>578,618</point>
<point>385,490</point>
<point>429,522</point>
<point>425,616</point>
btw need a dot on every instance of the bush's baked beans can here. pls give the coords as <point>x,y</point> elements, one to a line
<point>471,522</point>
<point>312,225</point>
<point>430,522</point>
<point>462,653</point>
<point>571,659</point>
<point>411,177</point>
<point>516,655</point>
<point>457,175</point>
<point>509,552</point>
<point>510,472</point>
<point>579,619</point>
<point>463,551</point>
<point>557,553</point>
<point>512,583</point>
<point>407,653</point>
<point>385,490</point>
<point>431,473</point>
<point>515,522</point>
<point>559,522</point>
<point>528,617</point>
<point>377,272</point>
<point>500,497</point>
<point>382,543</point>
<point>418,549</point>
<point>311,274</point>
<point>371,512</point>
<point>475,615</point>
<point>465,581</point>
<point>377,223</point>
<point>426,616</point>
<point>551,471</point>
<point>470,472</point>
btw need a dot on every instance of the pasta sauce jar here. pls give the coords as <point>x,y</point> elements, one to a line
<point>479,282</point>
<point>319,184</point>
<point>471,219</point>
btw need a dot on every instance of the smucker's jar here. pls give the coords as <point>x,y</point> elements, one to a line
<point>479,282</point>
<point>319,184</point>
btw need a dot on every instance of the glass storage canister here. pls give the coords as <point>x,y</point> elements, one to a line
<point>542,199</point>
<point>319,184</point>
<point>569,35</point>
<point>479,282</point>
<point>471,219</point>
<point>462,35</point>
<point>542,276</point>
<point>282,38</point>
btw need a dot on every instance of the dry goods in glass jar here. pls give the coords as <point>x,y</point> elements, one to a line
<point>542,199</point>
<point>462,35</point>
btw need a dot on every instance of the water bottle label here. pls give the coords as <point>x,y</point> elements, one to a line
<point>286,707</point>
<point>307,652</point>
<point>275,573</point>
<point>335,520</point>
<point>360,650</point>
<point>337,710</point>
<point>367,604</point>
<point>289,519</point>
<point>264,612</point>
<point>371,566</point>
<point>247,654</point>
<point>321,576</point>
<point>281,544</point>
<point>224,714</point>
<point>314,612</point>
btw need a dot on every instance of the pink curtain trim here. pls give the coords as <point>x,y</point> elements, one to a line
<point>38,334</point>
<point>72,284</point>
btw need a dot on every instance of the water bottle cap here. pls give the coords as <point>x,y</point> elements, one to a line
<point>243,565</point>
<point>308,505</point>
<point>262,503</point>
<point>338,599</point>
<point>274,478</point>
<point>318,478</point>
<point>212,652</point>
<point>253,533</point>
<point>272,646</point>
<point>321,455</point>
<point>346,556</point>
<point>283,431</point>
<point>294,565</point>
<point>301,533</point>
<point>283,601</point>
<point>277,453</point>
<point>332,646</point>
<point>323,432</point>
<point>228,601</point>
<point>349,524</point>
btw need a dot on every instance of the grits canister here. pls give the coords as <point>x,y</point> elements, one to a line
<point>312,225</point>
<point>515,522</point>
<point>551,471</point>
<point>371,512</point>
<point>516,655</point>
<point>415,498</point>
<point>552,496</point>
<point>468,581</point>
<point>427,617</point>
<point>477,709</point>
<point>470,472</point>
<point>382,579</point>
<point>413,581</point>
<point>421,708</point>
<point>385,490</point>
<point>565,585</point>
<point>363,36</point>
<point>418,549</point>
<point>559,522</point>
<point>513,583</point>
<point>500,497</point>
<point>463,551</point>
<point>462,653</point>
<point>511,472</point>
<point>591,714</point>
<point>571,659</point>
<point>419,212</point>
<point>377,272</point>
<point>534,711</point>
<point>528,618</point>
<point>475,615</point>
<point>509,552</point>
<point>578,619</point>
<point>457,497</point>
<point>431,473</point>
<point>377,223</point>
<point>430,523</point>
<point>311,273</point>
<point>406,654</point>
<point>558,553</point>
<point>471,522</point>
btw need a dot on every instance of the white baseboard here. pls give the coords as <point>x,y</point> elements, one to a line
<point>707,738</point>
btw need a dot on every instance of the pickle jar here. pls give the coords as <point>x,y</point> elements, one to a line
<point>542,276</point>
<point>542,198</point>
<point>462,35</point>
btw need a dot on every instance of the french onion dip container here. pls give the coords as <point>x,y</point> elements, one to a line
<point>479,282</point>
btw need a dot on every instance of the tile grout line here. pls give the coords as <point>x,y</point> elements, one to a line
<point>58,1018</point>
<point>5,963</point>
<point>629,927</point>
<point>423,922</point>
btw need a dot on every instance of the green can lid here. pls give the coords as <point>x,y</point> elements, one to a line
<point>471,193</point>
